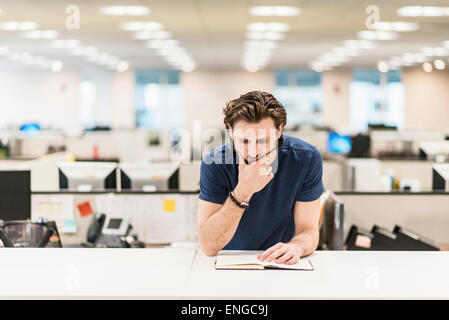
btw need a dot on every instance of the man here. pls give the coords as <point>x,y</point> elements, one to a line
<point>260,192</point>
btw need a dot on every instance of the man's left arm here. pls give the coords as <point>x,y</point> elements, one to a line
<point>305,241</point>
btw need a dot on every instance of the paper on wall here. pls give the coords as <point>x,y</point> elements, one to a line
<point>52,207</point>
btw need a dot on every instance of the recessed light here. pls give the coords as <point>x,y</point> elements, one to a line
<point>439,64</point>
<point>125,10</point>
<point>141,26</point>
<point>56,66</point>
<point>18,26</point>
<point>423,11</point>
<point>427,67</point>
<point>382,66</point>
<point>188,67</point>
<point>268,26</point>
<point>122,66</point>
<point>377,35</point>
<point>282,11</point>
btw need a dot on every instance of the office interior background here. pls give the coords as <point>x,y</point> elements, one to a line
<point>107,107</point>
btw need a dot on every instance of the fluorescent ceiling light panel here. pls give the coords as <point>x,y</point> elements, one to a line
<point>18,26</point>
<point>146,35</point>
<point>41,34</point>
<point>261,44</point>
<point>270,35</point>
<point>125,10</point>
<point>65,43</point>
<point>377,35</point>
<point>268,26</point>
<point>141,26</point>
<point>423,11</point>
<point>280,11</point>
<point>359,44</point>
<point>159,44</point>
<point>395,26</point>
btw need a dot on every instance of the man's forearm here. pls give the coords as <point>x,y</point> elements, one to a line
<point>219,229</point>
<point>306,241</point>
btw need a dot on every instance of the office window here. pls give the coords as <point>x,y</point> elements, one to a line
<point>95,98</point>
<point>301,94</point>
<point>159,100</point>
<point>376,98</point>
<point>88,95</point>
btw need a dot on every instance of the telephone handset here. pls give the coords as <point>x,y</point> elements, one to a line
<point>96,227</point>
<point>109,232</point>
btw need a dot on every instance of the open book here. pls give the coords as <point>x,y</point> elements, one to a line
<point>250,262</point>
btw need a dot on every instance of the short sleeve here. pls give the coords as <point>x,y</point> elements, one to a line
<point>313,186</point>
<point>212,183</point>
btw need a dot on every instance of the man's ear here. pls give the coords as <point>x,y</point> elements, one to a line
<point>281,127</point>
<point>229,130</point>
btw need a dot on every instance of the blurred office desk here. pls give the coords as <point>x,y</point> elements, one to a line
<point>337,275</point>
<point>69,273</point>
<point>83,273</point>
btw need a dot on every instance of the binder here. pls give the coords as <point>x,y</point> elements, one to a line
<point>358,239</point>
<point>383,239</point>
<point>408,240</point>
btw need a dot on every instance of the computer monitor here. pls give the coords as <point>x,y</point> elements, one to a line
<point>333,220</point>
<point>360,146</point>
<point>440,177</point>
<point>162,176</point>
<point>87,176</point>
<point>15,192</point>
<point>337,143</point>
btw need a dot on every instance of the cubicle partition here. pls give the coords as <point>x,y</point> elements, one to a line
<point>167,217</point>
<point>156,217</point>
<point>425,213</point>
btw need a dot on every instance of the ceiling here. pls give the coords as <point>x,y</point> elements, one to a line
<point>213,31</point>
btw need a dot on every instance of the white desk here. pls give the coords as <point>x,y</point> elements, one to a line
<point>337,275</point>
<point>72,273</point>
<point>84,273</point>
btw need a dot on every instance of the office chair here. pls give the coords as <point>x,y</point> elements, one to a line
<point>30,234</point>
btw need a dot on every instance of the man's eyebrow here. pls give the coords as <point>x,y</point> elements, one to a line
<point>258,140</point>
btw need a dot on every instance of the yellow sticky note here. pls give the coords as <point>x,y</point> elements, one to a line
<point>169,205</point>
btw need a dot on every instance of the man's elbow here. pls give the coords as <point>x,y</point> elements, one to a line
<point>208,250</point>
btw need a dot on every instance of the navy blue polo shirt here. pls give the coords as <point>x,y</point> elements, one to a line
<point>269,219</point>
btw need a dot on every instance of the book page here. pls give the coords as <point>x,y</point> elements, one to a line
<point>237,260</point>
<point>303,264</point>
<point>251,262</point>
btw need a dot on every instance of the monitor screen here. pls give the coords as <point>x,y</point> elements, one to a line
<point>337,143</point>
<point>88,176</point>
<point>114,223</point>
<point>15,190</point>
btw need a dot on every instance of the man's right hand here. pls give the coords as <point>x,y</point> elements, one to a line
<point>254,177</point>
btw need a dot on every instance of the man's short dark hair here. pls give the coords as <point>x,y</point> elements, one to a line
<point>253,107</point>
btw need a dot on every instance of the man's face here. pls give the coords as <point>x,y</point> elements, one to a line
<point>253,141</point>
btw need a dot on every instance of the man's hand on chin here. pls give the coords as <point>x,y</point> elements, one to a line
<point>286,253</point>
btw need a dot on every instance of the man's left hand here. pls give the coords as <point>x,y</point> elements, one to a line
<point>286,253</point>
